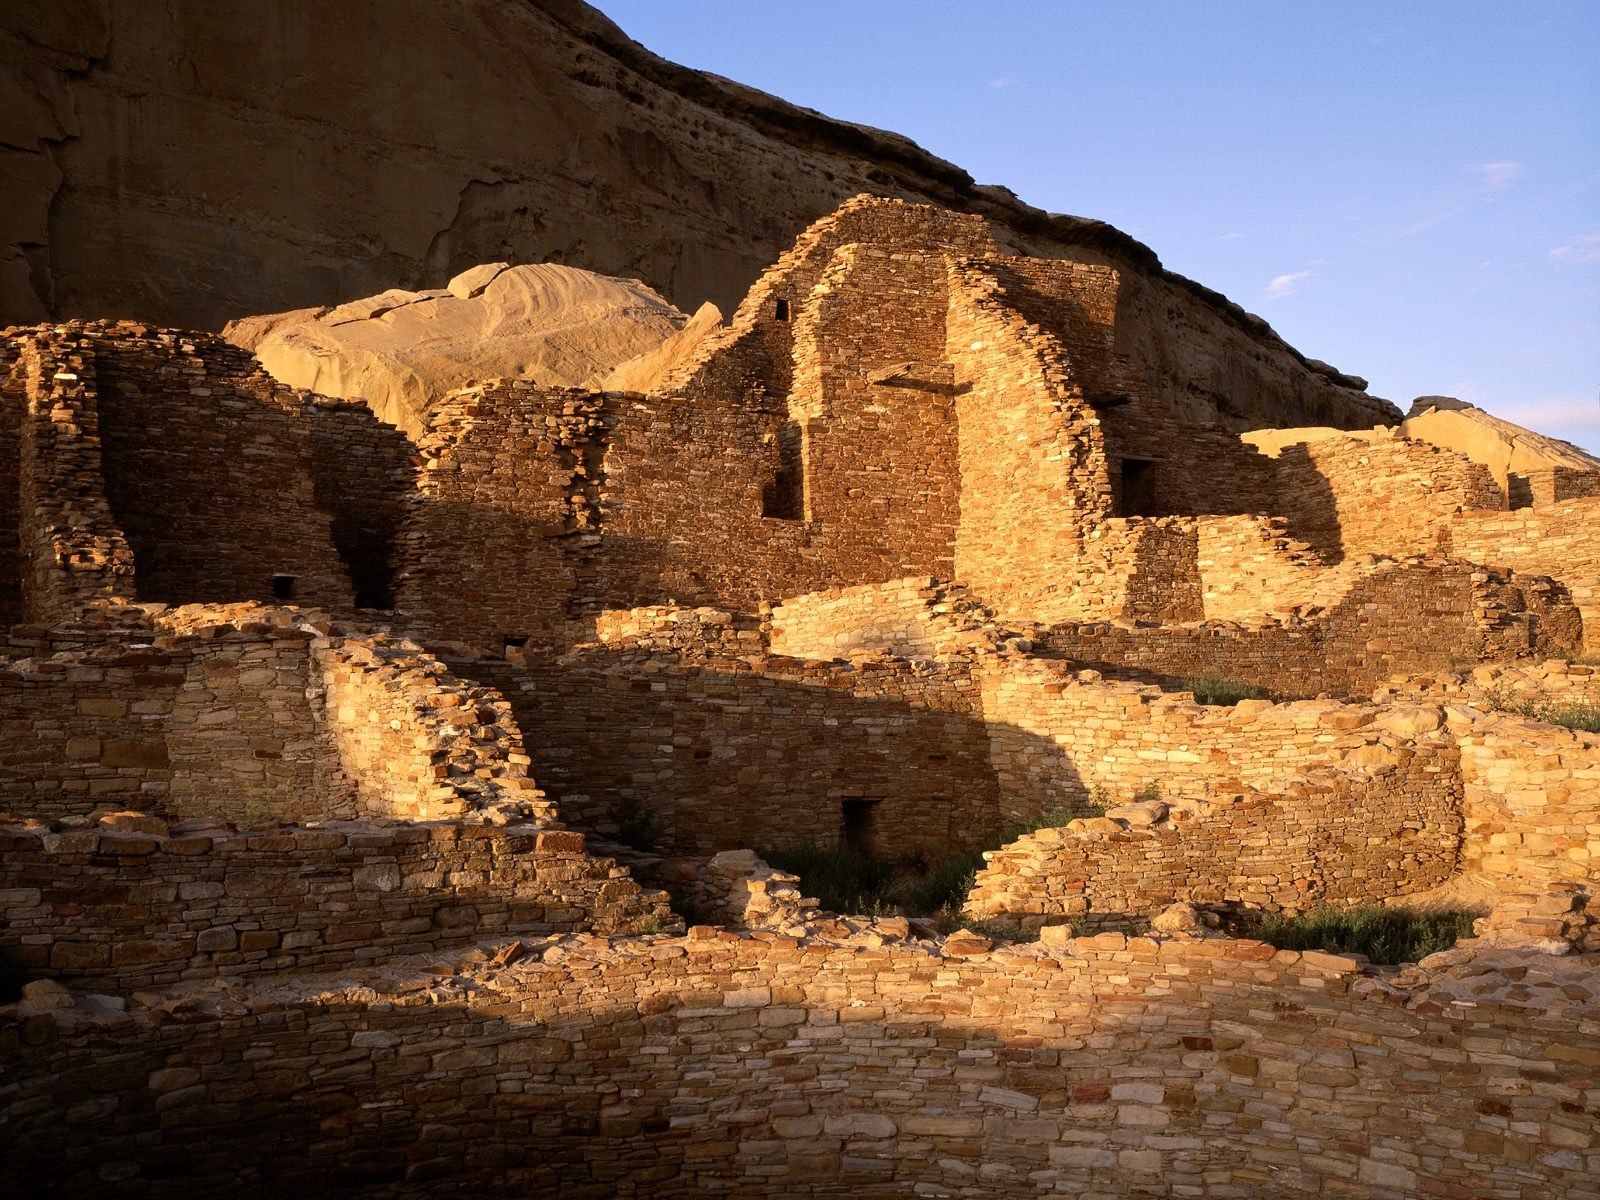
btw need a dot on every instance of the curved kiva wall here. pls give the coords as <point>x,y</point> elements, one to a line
<point>731,1065</point>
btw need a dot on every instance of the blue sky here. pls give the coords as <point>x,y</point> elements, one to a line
<point>1410,191</point>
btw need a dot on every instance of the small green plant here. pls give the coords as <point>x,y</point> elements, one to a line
<point>1384,935</point>
<point>1582,715</point>
<point>649,923</point>
<point>1217,690</point>
<point>1150,791</point>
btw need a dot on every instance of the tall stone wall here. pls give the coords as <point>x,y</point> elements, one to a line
<point>872,407</point>
<point>720,1064</point>
<point>505,513</point>
<point>73,553</point>
<point>361,475</point>
<point>13,403</point>
<point>1561,541</point>
<point>1033,463</point>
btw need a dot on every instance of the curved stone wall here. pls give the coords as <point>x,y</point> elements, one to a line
<point>726,1065</point>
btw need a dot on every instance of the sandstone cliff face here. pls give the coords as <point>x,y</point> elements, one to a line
<point>191,161</point>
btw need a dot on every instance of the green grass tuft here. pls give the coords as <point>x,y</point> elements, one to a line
<point>1582,715</point>
<point>1384,935</point>
<point>1215,689</point>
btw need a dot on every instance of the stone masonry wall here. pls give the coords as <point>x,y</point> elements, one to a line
<point>72,551</point>
<point>1561,541</point>
<point>247,733</point>
<point>1373,622</point>
<point>725,1065</point>
<point>1391,496</point>
<point>86,731</point>
<point>1532,798</point>
<point>417,742</point>
<point>361,474</point>
<point>705,756</point>
<point>13,403</point>
<point>135,908</point>
<point>1337,837</point>
<point>505,514</point>
<point>1033,464</point>
<point>1057,739</point>
<point>206,463</point>
<point>903,616</point>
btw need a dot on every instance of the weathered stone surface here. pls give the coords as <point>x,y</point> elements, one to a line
<point>401,351</point>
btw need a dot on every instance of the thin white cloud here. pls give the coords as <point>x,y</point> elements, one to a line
<point>1000,81</point>
<point>1585,248</point>
<point>1496,176</point>
<point>1287,285</point>
<point>1230,237</point>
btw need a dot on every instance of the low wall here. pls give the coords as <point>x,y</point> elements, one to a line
<point>1056,740</point>
<point>252,714</point>
<point>1389,619</point>
<point>721,1065</point>
<point>1531,800</point>
<point>899,616</point>
<point>1369,832</point>
<point>135,908</point>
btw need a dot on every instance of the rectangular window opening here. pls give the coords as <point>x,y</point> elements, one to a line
<point>512,646</point>
<point>283,586</point>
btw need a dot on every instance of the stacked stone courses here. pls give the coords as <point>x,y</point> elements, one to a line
<point>340,768</point>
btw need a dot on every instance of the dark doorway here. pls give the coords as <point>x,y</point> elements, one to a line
<point>283,587</point>
<point>858,823</point>
<point>784,498</point>
<point>1137,487</point>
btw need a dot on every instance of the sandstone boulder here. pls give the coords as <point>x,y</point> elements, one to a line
<point>1506,449</point>
<point>400,350</point>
